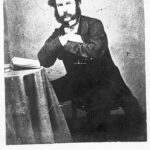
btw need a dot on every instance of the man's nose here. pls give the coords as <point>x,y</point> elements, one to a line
<point>65,9</point>
<point>65,12</point>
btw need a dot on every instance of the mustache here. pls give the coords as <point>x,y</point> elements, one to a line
<point>61,20</point>
<point>66,15</point>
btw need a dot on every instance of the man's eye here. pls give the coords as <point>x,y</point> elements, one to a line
<point>68,3</point>
<point>59,5</point>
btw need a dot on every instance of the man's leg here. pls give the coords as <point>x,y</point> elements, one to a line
<point>135,117</point>
<point>101,102</point>
<point>104,98</point>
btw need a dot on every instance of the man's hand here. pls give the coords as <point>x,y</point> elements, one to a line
<point>75,38</point>
<point>70,37</point>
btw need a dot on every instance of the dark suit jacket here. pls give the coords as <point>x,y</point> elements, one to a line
<point>94,52</point>
<point>97,65</point>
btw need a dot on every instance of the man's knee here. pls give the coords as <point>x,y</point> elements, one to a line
<point>130,103</point>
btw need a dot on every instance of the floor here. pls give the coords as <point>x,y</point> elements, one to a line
<point>113,130</point>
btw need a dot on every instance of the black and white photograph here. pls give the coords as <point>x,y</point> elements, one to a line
<point>74,72</point>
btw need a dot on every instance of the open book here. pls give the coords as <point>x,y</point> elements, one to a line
<point>24,63</point>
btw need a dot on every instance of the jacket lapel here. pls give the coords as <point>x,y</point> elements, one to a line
<point>83,28</point>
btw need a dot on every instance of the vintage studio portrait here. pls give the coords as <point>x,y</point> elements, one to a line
<point>74,71</point>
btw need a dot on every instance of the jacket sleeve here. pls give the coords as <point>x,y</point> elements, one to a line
<point>49,52</point>
<point>96,45</point>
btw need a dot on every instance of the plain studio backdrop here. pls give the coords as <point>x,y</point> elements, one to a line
<point>28,23</point>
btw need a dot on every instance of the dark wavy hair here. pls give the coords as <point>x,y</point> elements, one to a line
<point>58,18</point>
<point>53,3</point>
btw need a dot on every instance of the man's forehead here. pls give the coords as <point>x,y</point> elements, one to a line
<point>64,1</point>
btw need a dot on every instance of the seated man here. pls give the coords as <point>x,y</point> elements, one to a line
<point>92,77</point>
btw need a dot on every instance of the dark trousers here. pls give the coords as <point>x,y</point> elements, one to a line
<point>100,97</point>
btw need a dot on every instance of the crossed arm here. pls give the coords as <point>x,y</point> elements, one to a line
<point>94,48</point>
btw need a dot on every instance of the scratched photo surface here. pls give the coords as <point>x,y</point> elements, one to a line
<point>42,119</point>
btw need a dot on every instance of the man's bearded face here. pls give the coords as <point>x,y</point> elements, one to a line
<point>66,11</point>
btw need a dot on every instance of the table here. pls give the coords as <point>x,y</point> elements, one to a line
<point>33,115</point>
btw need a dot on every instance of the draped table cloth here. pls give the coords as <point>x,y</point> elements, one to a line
<point>33,115</point>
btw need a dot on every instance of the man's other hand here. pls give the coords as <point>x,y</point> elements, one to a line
<point>70,37</point>
<point>75,38</point>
